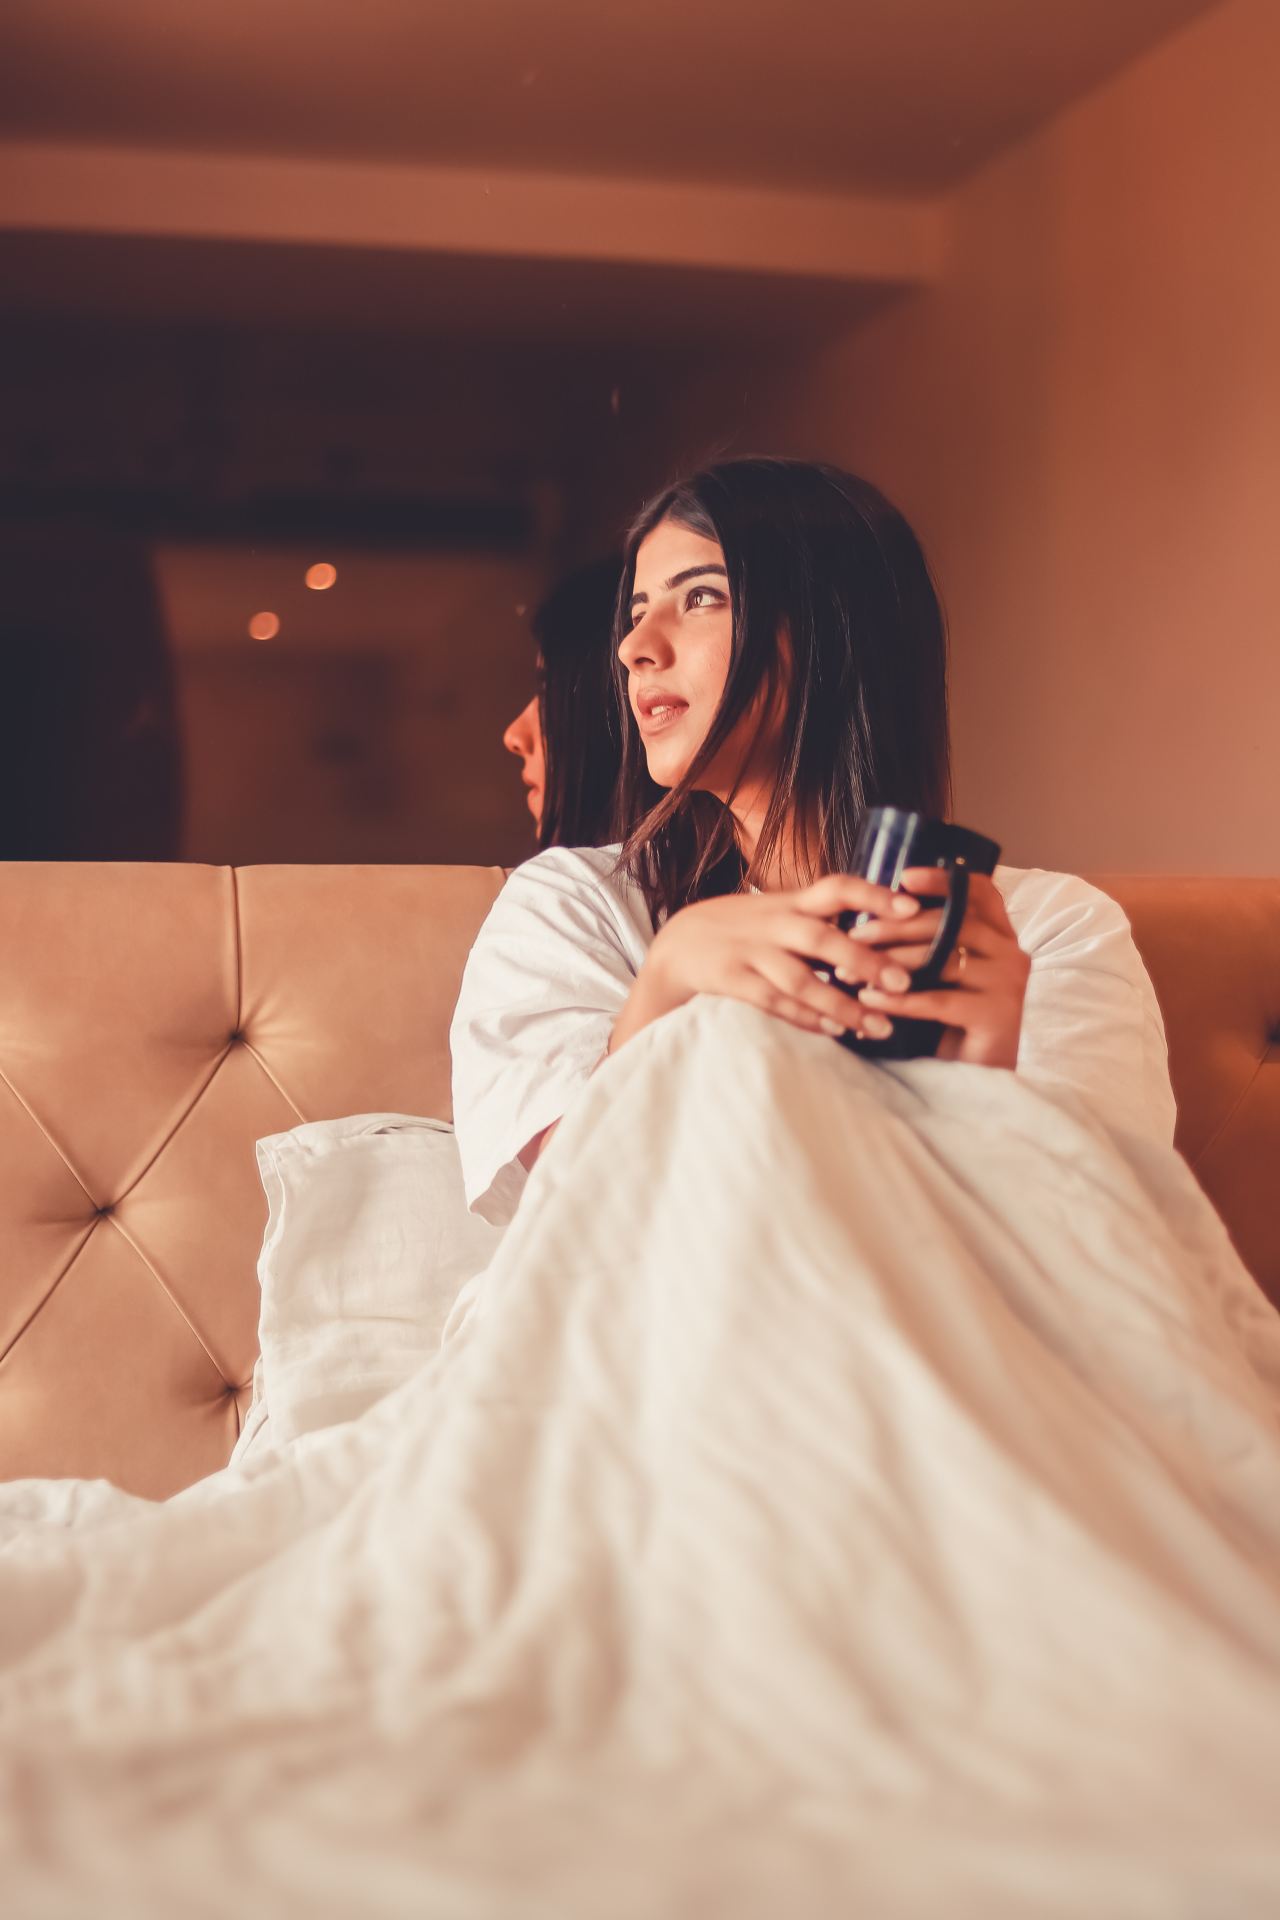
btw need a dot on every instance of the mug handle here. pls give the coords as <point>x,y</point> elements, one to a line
<point>929,972</point>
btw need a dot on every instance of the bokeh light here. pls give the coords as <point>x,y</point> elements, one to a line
<point>320,576</point>
<point>264,626</point>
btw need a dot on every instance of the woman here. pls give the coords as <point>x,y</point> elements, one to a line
<point>782,667</point>
<point>567,737</point>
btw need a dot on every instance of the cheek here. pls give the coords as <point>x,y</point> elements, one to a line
<point>705,666</point>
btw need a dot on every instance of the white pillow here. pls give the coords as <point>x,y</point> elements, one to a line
<point>368,1245</point>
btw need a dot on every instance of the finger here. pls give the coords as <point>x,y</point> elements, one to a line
<point>849,893</point>
<point>965,968</point>
<point>973,940</point>
<point>883,932</point>
<point>824,946</point>
<point>833,956</point>
<point>985,900</point>
<point>968,969</point>
<point>817,940</point>
<point>979,935</point>
<point>909,957</point>
<point>928,882</point>
<point>795,979</point>
<point>798,1013</point>
<point>958,1008</point>
<point>895,965</point>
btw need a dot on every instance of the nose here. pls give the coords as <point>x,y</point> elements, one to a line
<point>521,736</point>
<point>647,645</point>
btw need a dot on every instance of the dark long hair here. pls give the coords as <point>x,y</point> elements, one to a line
<point>822,556</point>
<point>577,706</point>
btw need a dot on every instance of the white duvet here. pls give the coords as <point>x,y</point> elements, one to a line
<point>856,1490</point>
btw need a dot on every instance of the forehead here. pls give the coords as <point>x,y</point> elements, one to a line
<point>670,549</point>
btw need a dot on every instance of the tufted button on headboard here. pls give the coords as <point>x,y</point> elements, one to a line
<point>156,1020</point>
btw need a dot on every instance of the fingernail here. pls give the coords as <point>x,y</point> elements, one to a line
<point>845,977</point>
<point>905,903</point>
<point>896,979</point>
<point>832,1027</point>
<point>877,1026</point>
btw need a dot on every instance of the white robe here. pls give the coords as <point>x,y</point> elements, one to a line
<point>555,960</point>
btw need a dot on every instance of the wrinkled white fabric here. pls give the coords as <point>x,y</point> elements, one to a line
<point>854,1490</point>
<point>368,1244</point>
<point>553,964</point>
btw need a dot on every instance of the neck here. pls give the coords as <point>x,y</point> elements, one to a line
<point>791,862</point>
<point>749,811</point>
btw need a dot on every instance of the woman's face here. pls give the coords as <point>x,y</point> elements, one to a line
<point>677,656</point>
<point>524,738</point>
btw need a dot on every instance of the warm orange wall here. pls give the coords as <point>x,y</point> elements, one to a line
<point>1083,419</point>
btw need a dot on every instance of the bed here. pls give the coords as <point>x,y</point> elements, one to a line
<point>156,1020</point>
<point>859,1495</point>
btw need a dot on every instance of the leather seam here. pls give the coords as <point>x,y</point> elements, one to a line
<point>180,1122</point>
<point>238,935</point>
<point>1233,1109</point>
<point>171,1297</point>
<point>47,1296</point>
<point>40,1127</point>
<point>238,939</point>
<point>288,1099</point>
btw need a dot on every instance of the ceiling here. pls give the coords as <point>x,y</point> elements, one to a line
<point>884,96</point>
<point>424,295</point>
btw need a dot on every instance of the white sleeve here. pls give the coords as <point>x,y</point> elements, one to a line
<point>1091,1023</point>
<point>544,983</point>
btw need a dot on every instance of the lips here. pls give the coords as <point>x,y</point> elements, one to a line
<point>657,708</point>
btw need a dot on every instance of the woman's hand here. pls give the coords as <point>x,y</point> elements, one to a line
<point>981,1006</point>
<point>758,948</point>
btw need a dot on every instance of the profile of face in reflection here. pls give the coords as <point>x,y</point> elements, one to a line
<point>567,738</point>
<point>524,738</point>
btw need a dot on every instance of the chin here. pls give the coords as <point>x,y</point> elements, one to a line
<point>666,770</point>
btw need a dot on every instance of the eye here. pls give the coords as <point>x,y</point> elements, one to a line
<point>694,598</point>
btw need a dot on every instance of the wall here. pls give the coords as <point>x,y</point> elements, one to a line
<point>369,727</point>
<point>1083,419</point>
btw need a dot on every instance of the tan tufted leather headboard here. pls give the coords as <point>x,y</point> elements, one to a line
<point>1212,948</point>
<point>156,1020</point>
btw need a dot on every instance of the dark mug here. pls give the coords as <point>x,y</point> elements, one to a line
<point>891,840</point>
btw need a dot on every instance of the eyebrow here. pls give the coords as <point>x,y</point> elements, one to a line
<point>678,580</point>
